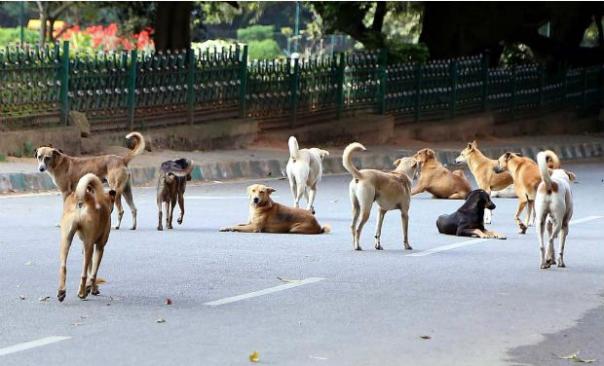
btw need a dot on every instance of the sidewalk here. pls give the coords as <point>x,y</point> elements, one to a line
<point>269,160</point>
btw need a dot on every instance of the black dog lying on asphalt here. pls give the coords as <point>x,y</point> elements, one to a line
<point>173,177</point>
<point>468,220</point>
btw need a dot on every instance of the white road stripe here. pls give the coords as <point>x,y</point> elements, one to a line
<point>478,241</point>
<point>266,291</point>
<point>29,345</point>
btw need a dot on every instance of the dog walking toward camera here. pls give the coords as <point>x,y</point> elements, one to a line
<point>468,220</point>
<point>66,171</point>
<point>171,185</point>
<point>304,171</point>
<point>391,190</point>
<point>437,180</point>
<point>87,212</point>
<point>267,216</point>
<point>553,207</point>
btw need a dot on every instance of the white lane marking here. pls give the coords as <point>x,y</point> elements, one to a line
<point>478,241</point>
<point>266,291</point>
<point>29,345</point>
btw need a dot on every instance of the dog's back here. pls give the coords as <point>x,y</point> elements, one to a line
<point>554,196</point>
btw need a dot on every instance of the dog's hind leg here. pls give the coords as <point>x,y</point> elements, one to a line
<point>120,210</point>
<point>181,207</point>
<point>171,213</point>
<point>554,230</point>
<point>564,233</point>
<point>378,228</point>
<point>300,191</point>
<point>88,248</point>
<point>521,225</point>
<point>540,225</point>
<point>66,239</point>
<point>355,218</point>
<point>311,198</point>
<point>530,214</point>
<point>96,263</point>
<point>405,222</point>
<point>130,201</point>
<point>160,226</point>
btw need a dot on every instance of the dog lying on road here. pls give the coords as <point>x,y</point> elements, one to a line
<point>87,212</point>
<point>391,190</point>
<point>304,171</point>
<point>468,220</point>
<point>438,180</point>
<point>483,170</point>
<point>268,216</point>
<point>66,171</point>
<point>554,207</point>
<point>171,185</point>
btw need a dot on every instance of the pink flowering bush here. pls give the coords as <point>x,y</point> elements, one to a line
<point>107,38</point>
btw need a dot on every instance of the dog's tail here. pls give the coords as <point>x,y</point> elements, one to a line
<point>542,159</point>
<point>347,159</point>
<point>138,145</point>
<point>82,193</point>
<point>326,229</point>
<point>552,160</point>
<point>292,143</point>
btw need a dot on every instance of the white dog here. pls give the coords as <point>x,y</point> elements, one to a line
<point>553,206</point>
<point>304,171</point>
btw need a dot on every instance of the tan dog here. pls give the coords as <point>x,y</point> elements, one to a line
<point>267,216</point>
<point>171,185</point>
<point>484,173</point>
<point>391,190</point>
<point>86,211</point>
<point>66,171</point>
<point>438,180</point>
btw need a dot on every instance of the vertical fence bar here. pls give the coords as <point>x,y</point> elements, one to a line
<point>513,106</point>
<point>190,85</point>
<point>131,88</point>
<point>485,80</point>
<point>382,74</point>
<point>453,77</point>
<point>541,71</point>
<point>600,86</point>
<point>340,69</point>
<point>564,85</point>
<point>584,88</point>
<point>418,89</point>
<point>64,79</point>
<point>243,83</point>
<point>294,87</point>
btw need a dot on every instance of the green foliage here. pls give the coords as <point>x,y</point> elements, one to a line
<point>2,158</point>
<point>265,49</point>
<point>255,33</point>
<point>10,36</point>
<point>516,54</point>
<point>407,52</point>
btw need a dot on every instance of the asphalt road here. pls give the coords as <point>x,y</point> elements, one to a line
<point>476,303</point>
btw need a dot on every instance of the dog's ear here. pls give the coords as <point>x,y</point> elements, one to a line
<point>56,152</point>
<point>571,176</point>
<point>249,189</point>
<point>430,153</point>
<point>36,153</point>
<point>475,143</point>
<point>324,153</point>
<point>270,190</point>
<point>397,162</point>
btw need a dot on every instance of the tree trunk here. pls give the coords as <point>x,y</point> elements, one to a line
<point>173,25</point>
<point>43,14</point>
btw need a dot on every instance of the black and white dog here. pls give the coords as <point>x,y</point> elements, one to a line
<point>468,220</point>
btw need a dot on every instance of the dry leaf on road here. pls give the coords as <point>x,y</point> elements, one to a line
<point>575,358</point>
<point>254,356</point>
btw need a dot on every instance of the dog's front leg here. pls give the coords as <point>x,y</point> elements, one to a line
<point>160,227</point>
<point>521,225</point>
<point>243,228</point>
<point>405,221</point>
<point>171,214</point>
<point>419,188</point>
<point>120,210</point>
<point>181,207</point>
<point>66,239</point>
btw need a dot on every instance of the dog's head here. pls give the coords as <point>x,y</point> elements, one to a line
<point>481,199</point>
<point>466,152</point>
<point>259,194</point>
<point>322,153</point>
<point>47,157</point>
<point>424,155</point>
<point>409,165</point>
<point>111,196</point>
<point>503,162</point>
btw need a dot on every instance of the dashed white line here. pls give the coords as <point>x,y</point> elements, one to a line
<point>29,345</point>
<point>266,291</point>
<point>478,241</point>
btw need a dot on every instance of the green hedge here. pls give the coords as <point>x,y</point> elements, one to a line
<point>10,36</point>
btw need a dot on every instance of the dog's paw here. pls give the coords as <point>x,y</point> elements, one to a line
<point>160,228</point>
<point>561,264</point>
<point>408,247</point>
<point>545,266</point>
<point>225,229</point>
<point>95,291</point>
<point>179,221</point>
<point>61,295</point>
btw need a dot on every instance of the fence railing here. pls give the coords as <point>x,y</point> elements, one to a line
<point>121,91</point>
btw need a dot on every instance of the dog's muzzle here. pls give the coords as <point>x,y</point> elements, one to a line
<point>459,160</point>
<point>256,200</point>
<point>491,206</point>
<point>42,168</point>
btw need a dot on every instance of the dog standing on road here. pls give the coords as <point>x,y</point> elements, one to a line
<point>553,207</point>
<point>267,216</point>
<point>468,220</point>
<point>391,190</point>
<point>87,212</point>
<point>171,185</point>
<point>304,171</point>
<point>438,180</point>
<point>66,171</point>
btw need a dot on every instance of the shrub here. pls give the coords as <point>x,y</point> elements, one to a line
<point>407,52</point>
<point>266,49</point>
<point>9,36</point>
<point>255,33</point>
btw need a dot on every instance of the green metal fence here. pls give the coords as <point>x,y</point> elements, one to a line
<point>125,91</point>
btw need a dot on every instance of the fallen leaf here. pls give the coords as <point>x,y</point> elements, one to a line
<point>254,356</point>
<point>575,358</point>
<point>425,337</point>
<point>43,299</point>
<point>22,297</point>
<point>28,263</point>
<point>160,320</point>
<point>168,301</point>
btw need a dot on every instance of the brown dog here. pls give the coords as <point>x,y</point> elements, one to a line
<point>86,211</point>
<point>267,216</point>
<point>66,171</point>
<point>171,185</point>
<point>438,180</point>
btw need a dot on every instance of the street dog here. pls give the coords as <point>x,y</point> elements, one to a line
<point>87,212</point>
<point>438,180</point>
<point>553,207</point>
<point>304,171</point>
<point>171,185</point>
<point>66,171</point>
<point>468,219</point>
<point>267,216</point>
<point>391,190</point>
<point>482,169</point>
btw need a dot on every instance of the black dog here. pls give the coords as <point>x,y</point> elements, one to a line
<point>468,220</point>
